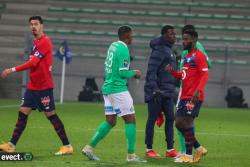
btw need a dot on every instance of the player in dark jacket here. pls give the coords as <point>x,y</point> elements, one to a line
<point>159,89</point>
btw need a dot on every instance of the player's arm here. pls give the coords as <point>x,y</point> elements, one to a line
<point>32,62</point>
<point>127,73</point>
<point>170,69</point>
<point>124,63</point>
<point>203,69</point>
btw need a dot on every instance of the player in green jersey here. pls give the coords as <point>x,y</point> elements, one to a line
<point>209,63</point>
<point>117,99</point>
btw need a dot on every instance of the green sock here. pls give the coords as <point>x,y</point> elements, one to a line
<point>182,141</point>
<point>130,132</point>
<point>101,132</point>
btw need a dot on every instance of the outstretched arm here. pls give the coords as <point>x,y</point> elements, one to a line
<point>173,72</point>
<point>32,62</point>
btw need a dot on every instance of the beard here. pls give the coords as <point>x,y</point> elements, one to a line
<point>188,46</point>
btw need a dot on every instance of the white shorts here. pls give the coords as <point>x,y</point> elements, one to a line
<point>118,104</point>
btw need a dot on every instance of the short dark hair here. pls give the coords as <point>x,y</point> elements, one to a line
<point>187,27</point>
<point>39,18</point>
<point>166,28</point>
<point>124,30</point>
<point>192,33</point>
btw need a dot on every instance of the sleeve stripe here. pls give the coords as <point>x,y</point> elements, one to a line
<point>205,69</point>
<point>124,68</point>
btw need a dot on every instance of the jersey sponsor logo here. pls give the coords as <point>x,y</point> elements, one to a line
<point>45,101</point>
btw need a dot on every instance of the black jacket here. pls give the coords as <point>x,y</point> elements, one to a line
<point>157,78</point>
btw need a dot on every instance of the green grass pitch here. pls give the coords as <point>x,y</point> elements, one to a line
<point>224,132</point>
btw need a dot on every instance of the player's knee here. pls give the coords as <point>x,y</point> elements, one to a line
<point>112,122</point>
<point>129,119</point>
<point>50,113</point>
<point>178,124</point>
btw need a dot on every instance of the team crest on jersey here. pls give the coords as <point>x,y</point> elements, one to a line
<point>125,64</point>
<point>45,101</point>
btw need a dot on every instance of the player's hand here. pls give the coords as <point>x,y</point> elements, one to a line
<point>157,96</point>
<point>138,74</point>
<point>195,96</point>
<point>6,72</point>
<point>169,68</point>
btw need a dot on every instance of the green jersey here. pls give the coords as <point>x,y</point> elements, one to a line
<point>201,48</point>
<point>116,68</point>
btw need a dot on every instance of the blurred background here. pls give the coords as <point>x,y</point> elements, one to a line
<point>89,26</point>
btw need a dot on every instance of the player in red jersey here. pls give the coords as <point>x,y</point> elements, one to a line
<point>39,92</point>
<point>194,76</point>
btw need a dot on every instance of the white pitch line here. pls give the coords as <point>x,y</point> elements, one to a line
<point>10,106</point>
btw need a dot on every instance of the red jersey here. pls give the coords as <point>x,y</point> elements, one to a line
<point>40,65</point>
<point>194,74</point>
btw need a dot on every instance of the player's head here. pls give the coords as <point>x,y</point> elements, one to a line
<point>125,34</point>
<point>187,27</point>
<point>168,33</point>
<point>189,39</point>
<point>36,25</point>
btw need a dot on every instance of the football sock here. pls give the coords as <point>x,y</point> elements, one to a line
<point>59,127</point>
<point>20,126</point>
<point>149,146</point>
<point>188,134</point>
<point>196,143</point>
<point>101,132</point>
<point>182,141</point>
<point>130,132</point>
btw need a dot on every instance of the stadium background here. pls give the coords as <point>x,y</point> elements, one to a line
<point>90,26</point>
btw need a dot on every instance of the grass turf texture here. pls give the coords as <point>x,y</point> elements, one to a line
<point>224,132</point>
